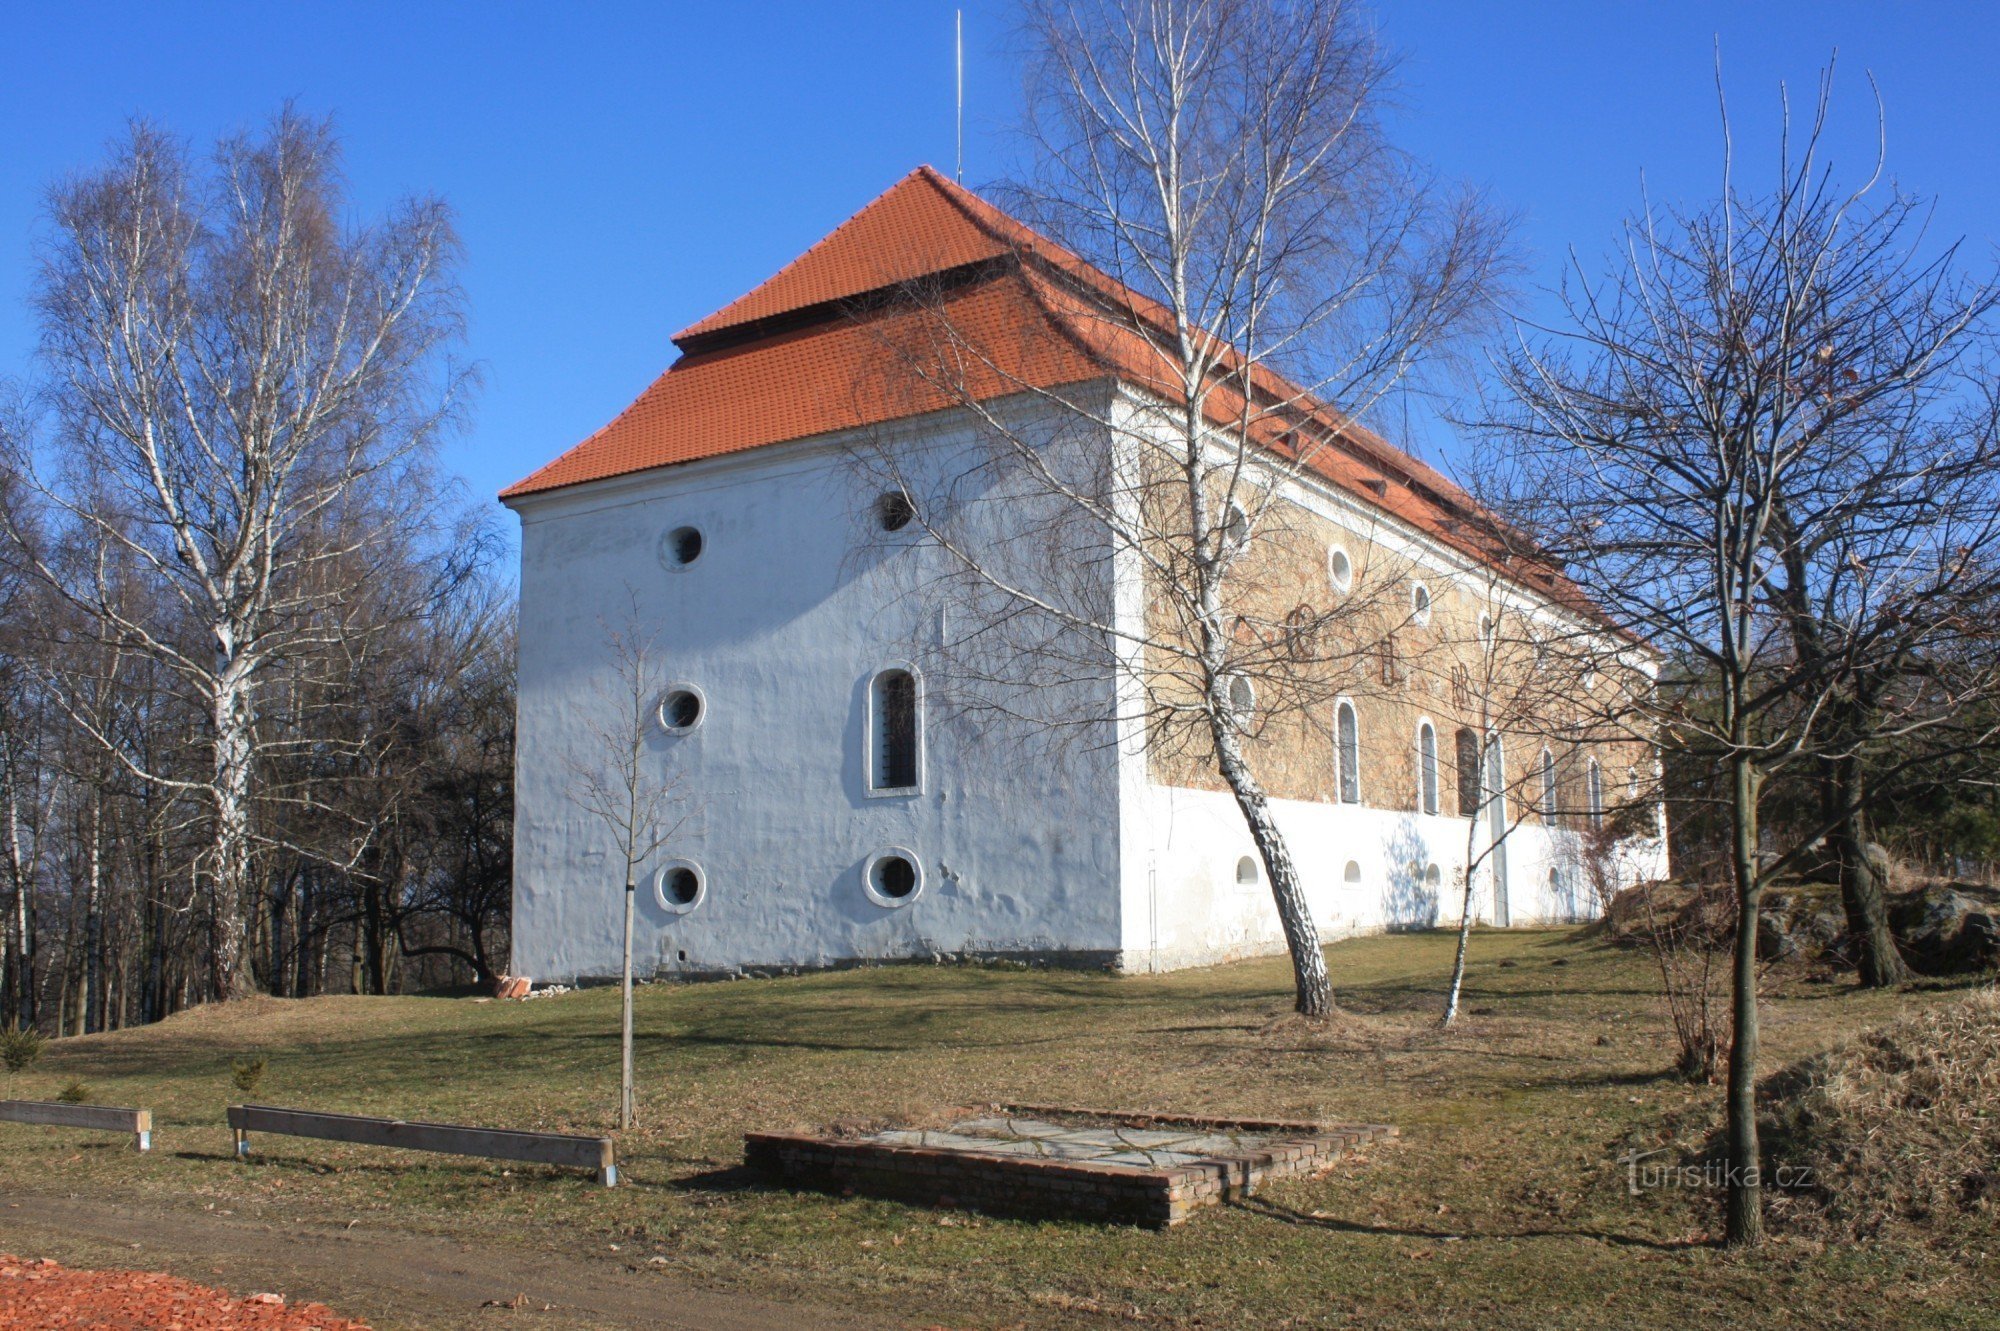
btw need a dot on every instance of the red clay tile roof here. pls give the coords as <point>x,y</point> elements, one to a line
<point>910,230</point>
<point>797,356</point>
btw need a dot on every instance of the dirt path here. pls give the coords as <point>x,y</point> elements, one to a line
<point>396,1281</point>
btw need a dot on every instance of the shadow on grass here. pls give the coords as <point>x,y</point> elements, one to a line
<point>1269,1210</point>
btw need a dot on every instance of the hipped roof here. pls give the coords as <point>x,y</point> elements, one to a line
<point>803,354</point>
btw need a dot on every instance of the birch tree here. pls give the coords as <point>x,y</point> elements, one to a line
<point>1273,252</point>
<point>245,387</point>
<point>1766,438</point>
<point>1551,683</point>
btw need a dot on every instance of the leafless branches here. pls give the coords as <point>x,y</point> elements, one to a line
<point>1767,438</point>
<point>1120,556</point>
<point>244,389</point>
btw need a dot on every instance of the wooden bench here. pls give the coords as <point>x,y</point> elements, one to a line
<point>102,1118</point>
<point>540,1148</point>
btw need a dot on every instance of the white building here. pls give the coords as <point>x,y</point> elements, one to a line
<point>833,813</point>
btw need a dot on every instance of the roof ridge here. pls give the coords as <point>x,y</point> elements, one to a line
<point>709,321</point>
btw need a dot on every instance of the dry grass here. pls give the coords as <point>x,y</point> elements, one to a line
<point>1504,1206</point>
<point>1900,1127</point>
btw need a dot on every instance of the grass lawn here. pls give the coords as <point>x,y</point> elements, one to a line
<point>1503,1205</point>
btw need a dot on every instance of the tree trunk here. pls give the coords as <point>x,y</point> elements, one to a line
<point>1314,986</point>
<point>230,848</point>
<point>23,921</point>
<point>627,1094</point>
<point>1744,1225</point>
<point>1464,921</point>
<point>1876,958</point>
<point>93,923</point>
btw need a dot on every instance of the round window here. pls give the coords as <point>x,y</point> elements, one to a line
<point>681,709</point>
<point>894,511</point>
<point>1339,569</point>
<point>680,547</point>
<point>894,878</point>
<point>680,886</point>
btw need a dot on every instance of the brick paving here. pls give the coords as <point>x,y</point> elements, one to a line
<point>1134,1168</point>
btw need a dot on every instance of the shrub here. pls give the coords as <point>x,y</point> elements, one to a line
<point>20,1049</point>
<point>76,1093</point>
<point>248,1073</point>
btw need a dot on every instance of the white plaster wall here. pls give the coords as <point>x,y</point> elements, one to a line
<point>1184,846</point>
<point>1183,905</point>
<point>789,611</point>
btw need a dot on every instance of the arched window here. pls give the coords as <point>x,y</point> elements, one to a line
<point>1486,630</point>
<point>1235,527</point>
<point>1420,605</point>
<point>1347,749</point>
<point>1246,872</point>
<point>1593,790</point>
<point>895,740</point>
<point>1468,773</point>
<point>1427,767</point>
<point>1547,806</point>
<point>1242,701</point>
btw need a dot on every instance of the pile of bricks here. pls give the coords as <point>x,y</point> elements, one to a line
<point>1045,1161</point>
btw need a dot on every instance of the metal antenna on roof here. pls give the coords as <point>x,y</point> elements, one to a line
<point>958,46</point>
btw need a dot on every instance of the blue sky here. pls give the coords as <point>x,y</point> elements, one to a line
<point>622,169</point>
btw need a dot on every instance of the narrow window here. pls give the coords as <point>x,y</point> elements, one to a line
<point>1427,767</point>
<point>1347,734</point>
<point>1486,630</point>
<point>1235,526</point>
<point>1420,605</point>
<point>1548,809</point>
<point>894,743</point>
<point>1468,774</point>
<point>1242,701</point>
<point>1593,780</point>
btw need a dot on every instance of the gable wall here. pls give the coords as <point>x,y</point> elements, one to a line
<point>795,602</point>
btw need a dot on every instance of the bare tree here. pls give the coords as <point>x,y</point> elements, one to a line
<point>1246,246</point>
<point>1770,422</point>
<point>245,389</point>
<point>618,780</point>
<point>1546,683</point>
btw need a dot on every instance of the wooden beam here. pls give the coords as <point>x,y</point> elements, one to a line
<point>541,1148</point>
<point>102,1118</point>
